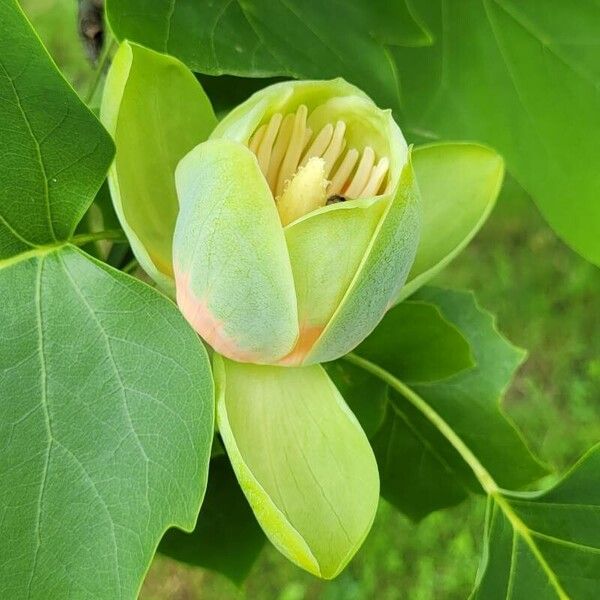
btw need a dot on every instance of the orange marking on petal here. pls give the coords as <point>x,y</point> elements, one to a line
<point>202,320</point>
<point>309,334</point>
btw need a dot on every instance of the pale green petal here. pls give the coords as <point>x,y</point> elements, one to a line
<point>380,276</point>
<point>301,458</point>
<point>459,184</point>
<point>232,270</point>
<point>156,112</point>
<point>326,251</point>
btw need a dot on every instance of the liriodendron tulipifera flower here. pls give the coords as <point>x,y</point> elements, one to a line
<point>304,201</point>
<point>285,232</point>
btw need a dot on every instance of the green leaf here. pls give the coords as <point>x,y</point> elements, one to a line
<point>258,38</point>
<point>459,184</point>
<point>545,545</point>
<point>522,77</point>
<point>227,537</point>
<point>54,152</point>
<point>232,270</point>
<point>418,344</point>
<point>301,458</point>
<point>409,444</point>
<point>105,426</point>
<point>157,112</point>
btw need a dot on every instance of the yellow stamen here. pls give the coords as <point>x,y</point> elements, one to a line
<point>292,156</point>
<point>336,147</point>
<point>319,145</point>
<point>344,170</point>
<point>281,144</point>
<point>257,138</point>
<point>376,178</point>
<point>284,150</point>
<point>266,145</point>
<point>362,173</point>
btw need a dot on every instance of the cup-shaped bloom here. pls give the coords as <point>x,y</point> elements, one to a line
<point>299,221</point>
<point>287,234</point>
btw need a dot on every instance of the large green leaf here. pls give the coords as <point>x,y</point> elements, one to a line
<point>408,445</point>
<point>545,545</point>
<point>227,537</point>
<point>106,419</point>
<point>298,38</point>
<point>301,458</point>
<point>157,112</point>
<point>54,152</point>
<point>106,396</point>
<point>522,77</point>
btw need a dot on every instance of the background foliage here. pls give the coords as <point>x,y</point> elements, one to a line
<point>545,298</point>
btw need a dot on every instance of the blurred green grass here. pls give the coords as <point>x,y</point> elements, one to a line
<point>546,299</point>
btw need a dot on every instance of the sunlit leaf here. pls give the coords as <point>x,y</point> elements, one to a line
<point>106,419</point>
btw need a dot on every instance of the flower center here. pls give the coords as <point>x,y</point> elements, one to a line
<point>306,172</point>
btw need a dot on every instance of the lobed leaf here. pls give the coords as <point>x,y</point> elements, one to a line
<point>105,426</point>
<point>420,469</point>
<point>303,39</point>
<point>417,343</point>
<point>227,538</point>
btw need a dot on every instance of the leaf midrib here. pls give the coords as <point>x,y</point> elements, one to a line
<point>485,479</point>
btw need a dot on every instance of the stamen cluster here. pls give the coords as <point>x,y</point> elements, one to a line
<point>285,144</point>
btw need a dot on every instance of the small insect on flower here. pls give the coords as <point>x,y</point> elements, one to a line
<point>334,199</point>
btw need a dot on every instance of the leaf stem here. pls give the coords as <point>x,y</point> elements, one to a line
<point>116,235</point>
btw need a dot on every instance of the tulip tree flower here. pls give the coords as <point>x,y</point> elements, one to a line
<point>285,232</point>
<point>313,182</point>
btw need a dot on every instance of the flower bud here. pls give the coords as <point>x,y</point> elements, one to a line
<point>298,224</point>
